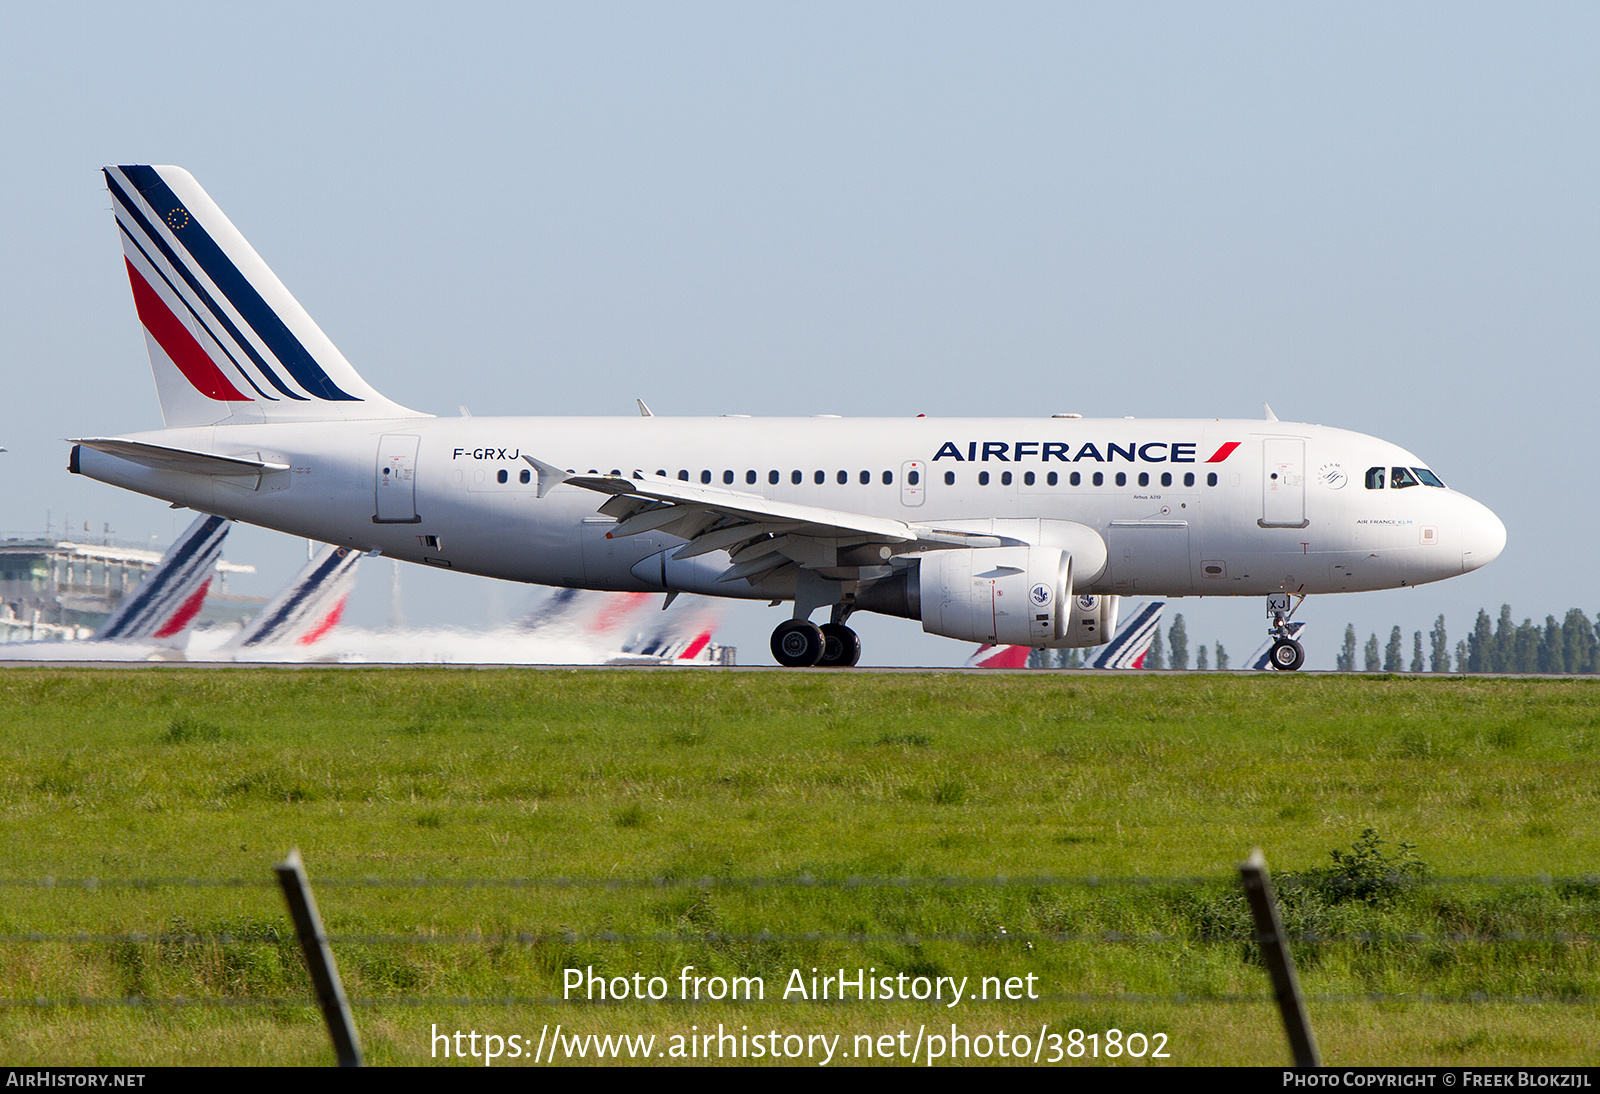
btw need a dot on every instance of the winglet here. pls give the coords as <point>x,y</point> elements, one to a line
<point>549,477</point>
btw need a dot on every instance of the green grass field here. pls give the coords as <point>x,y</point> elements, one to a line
<point>445,775</point>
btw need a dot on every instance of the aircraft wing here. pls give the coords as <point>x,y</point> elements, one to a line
<point>759,534</point>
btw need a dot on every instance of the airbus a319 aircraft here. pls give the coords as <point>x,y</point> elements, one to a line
<point>1004,531</point>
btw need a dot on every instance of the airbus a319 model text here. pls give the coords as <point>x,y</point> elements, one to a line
<point>1006,531</point>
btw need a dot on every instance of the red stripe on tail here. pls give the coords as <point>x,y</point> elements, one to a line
<point>186,612</point>
<point>330,621</point>
<point>174,338</point>
<point>694,648</point>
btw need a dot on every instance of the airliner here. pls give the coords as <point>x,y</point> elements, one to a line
<point>155,621</point>
<point>1022,531</point>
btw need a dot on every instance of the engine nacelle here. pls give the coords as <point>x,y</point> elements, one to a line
<point>1008,596</point>
<point>1091,621</point>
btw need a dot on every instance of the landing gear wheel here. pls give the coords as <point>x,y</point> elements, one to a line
<point>797,644</point>
<point>1287,655</point>
<point>841,648</point>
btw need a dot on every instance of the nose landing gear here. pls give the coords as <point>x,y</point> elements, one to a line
<point>1287,654</point>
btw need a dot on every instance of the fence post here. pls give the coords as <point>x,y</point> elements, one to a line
<point>319,959</point>
<point>1279,961</point>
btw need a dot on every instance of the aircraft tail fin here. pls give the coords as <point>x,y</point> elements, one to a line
<point>164,605</point>
<point>1128,649</point>
<point>308,608</point>
<point>227,341</point>
<point>999,657</point>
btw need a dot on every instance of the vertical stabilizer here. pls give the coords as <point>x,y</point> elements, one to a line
<point>1132,642</point>
<point>227,341</point>
<point>308,609</point>
<point>166,602</point>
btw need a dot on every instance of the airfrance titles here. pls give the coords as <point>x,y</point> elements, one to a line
<point>1069,452</point>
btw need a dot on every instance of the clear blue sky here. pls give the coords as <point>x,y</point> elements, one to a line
<point>1382,217</point>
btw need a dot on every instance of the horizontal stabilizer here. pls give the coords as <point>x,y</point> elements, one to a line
<point>162,458</point>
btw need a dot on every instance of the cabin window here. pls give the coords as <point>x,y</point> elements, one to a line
<point>1099,478</point>
<point>727,478</point>
<point>525,478</point>
<point>750,477</point>
<point>843,477</point>
<point>1211,479</point>
<point>1144,478</point>
<point>705,477</point>
<point>683,476</point>
<point>1075,479</point>
<point>1166,478</point>
<point>1428,477</point>
<point>1122,478</point>
<point>1052,478</point>
<point>983,478</point>
<point>913,477</point>
<point>949,478</point>
<point>1374,478</point>
<point>795,477</point>
<point>1005,478</point>
<point>820,477</point>
<point>888,478</point>
<point>772,478</point>
<point>866,478</point>
<point>502,476</point>
<point>1027,478</point>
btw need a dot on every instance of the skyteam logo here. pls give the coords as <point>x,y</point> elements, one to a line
<point>1040,594</point>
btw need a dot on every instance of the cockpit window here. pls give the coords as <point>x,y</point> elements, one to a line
<point>1400,478</point>
<point>1428,477</point>
<point>1374,478</point>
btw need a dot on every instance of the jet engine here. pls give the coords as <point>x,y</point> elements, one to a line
<point>1010,596</point>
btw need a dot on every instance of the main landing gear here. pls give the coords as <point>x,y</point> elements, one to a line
<point>1286,655</point>
<point>800,643</point>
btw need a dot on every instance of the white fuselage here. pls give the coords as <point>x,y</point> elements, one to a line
<point>1289,510</point>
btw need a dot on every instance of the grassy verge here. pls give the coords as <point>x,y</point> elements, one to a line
<point>441,774</point>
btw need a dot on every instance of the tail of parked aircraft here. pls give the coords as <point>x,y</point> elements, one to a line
<point>999,657</point>
<point>227,341</point>
<point>308,609</point>
<point>1133,640</point>
<point>165,603</point>
<point>1126,650</point>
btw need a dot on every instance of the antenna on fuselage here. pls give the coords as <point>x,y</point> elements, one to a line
<point>1271,417</point>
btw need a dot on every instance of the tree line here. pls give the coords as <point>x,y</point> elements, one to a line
<point>1571,645</point>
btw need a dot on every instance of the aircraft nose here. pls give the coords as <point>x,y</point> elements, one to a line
<point>1484,536</point>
